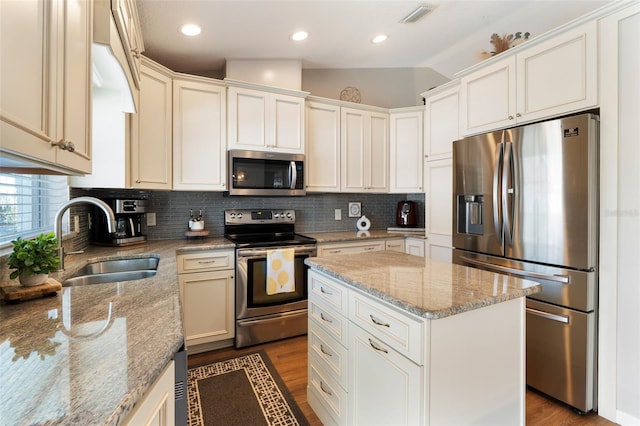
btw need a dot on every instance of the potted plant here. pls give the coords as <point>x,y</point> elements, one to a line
<point>34,259</point>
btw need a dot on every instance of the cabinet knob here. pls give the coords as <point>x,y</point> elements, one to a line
<point>511,117</point>
<point>65,145</point>
<point>518,115</point>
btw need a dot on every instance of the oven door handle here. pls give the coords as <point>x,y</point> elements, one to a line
<point>310,250</point>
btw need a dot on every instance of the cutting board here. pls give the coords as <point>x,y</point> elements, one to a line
<point>18,293</point>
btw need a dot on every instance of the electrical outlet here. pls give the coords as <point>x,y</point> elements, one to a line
<point>338,214</point>
<point>151,219</point>
<point>355,209</point>
<point>76,224</point>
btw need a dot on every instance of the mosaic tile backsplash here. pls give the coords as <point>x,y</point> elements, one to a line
<point>314,212</point>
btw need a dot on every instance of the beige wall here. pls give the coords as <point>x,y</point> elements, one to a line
<point>383,87</point>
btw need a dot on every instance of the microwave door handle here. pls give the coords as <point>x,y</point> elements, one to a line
<point>293,175</point>
<point>497,224</point>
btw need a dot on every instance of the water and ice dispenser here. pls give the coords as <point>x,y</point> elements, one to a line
<point>470,214</point>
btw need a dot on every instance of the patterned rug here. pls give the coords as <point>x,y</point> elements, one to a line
<point>245,390</point>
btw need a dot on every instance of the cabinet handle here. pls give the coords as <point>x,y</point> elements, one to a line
<point>324,390</point>
<point>377,348</point>
<point>369,248</point>
<point>328,293</point>
<point>65,145</point>
<point>323,318</point>
<point>324,352</point>
<point>334,251</point>
<point>206,262</point>
<point>378,322</point>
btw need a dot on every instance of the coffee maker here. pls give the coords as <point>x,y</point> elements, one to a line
<point>406,214</point>
<point>129,215</point>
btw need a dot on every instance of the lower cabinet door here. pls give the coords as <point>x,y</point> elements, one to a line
<point>208,305</point>
<point>386,388</point>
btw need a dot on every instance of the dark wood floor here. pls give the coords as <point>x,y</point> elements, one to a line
<point>290,359</point>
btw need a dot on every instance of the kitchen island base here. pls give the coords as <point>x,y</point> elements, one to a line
<point>374,363</point>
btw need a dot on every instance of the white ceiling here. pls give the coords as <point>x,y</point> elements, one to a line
<point>448,39</point>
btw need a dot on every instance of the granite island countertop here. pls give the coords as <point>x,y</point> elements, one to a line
<point>88,354</point>
<point>428,288</point>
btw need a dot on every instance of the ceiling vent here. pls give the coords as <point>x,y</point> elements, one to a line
<point>418,13</point>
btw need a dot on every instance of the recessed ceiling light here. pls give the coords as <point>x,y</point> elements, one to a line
<point>190,30</point>
<point>299,35</point>
<point>379,38</point>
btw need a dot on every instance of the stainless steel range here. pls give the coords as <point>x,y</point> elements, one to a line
<point>271,278</point>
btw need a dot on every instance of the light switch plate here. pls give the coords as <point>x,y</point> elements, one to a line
<point>338,214</point>
<point>355,209</point>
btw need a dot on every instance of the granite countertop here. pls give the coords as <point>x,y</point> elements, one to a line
<point>88,354</point>
<point>424,287</point>
<point>343,236</point>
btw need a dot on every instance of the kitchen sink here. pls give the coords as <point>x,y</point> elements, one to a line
<point>109,271</point>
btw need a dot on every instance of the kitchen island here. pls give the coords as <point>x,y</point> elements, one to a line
<point>88,355</point>
<point>399,339</point>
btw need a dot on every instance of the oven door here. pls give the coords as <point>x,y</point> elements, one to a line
<point>252,299</point>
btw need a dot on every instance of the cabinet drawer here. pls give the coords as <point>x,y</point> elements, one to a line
<point>330,321</point>
<point>402,332</point>
<point>328,353</point>
<point>205,261</point>
<point>328,292</point>
<point>329,393</point>
<point>351,248</point>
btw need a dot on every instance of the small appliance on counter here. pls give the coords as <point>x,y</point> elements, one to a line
<point>407,214</point>
<point>129,215</point>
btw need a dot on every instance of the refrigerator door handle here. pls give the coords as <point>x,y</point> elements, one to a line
<point>547,315</point>
<point>507,169</point>
<point>564,279</point>
<point>497,214</point>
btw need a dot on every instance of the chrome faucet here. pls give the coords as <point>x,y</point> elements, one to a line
<point>111,220</point>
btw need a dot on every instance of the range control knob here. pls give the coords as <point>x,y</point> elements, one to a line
<point>289,215</point>
<point>276,215</point>
<point>239,215</point>
<point>232,215</point>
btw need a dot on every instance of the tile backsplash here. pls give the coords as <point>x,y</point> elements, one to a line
<point>314,212</point>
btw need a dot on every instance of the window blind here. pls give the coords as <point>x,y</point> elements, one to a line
<point>28,204</point>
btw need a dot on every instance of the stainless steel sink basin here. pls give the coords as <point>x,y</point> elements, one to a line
<point>108,271</point>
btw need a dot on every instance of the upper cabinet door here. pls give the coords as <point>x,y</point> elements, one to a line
<point>286,123</point>
<point>151,161</point>
<point>247,115</point>
<point>405,156</point>
<point>441,124</point>
<point>377,153</point>
<point>199,135</point>
<point>45,108</point>
<point>352,124</point>
<point>558,76</point>
<point>488,97</point>
<point>323,147</point>
<point>125,13</point>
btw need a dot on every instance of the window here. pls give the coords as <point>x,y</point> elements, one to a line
<point>28,204</point>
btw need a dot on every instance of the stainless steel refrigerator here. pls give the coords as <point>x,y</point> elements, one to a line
<point>525,203</point>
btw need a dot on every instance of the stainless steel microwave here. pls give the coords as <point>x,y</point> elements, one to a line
<point>265,173</point>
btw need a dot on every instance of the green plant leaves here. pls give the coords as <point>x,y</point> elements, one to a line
<point>36,256</point>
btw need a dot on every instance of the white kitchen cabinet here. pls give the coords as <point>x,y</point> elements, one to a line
<point>385,386</point>
<point>537,80</point>
<point>199,134</point>
<point>365,150</point>
<point>406,147</point>
<point>395,245</point>
<point>441,120</point>
<point>323,146</point>
<point>45,106</point>
<point>414,246</point>
<point>405,369</point>
<point>157,405</point>
<point>207,290</point>
<point>263,120</point>
<point>438,199</point>
<point>127,21</point>
<point>325,249</point>
<point>151,129</point>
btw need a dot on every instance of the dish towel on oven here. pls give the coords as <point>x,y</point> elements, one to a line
<point>280,271</point>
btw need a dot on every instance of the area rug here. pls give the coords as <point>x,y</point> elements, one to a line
<point>243,391</point>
